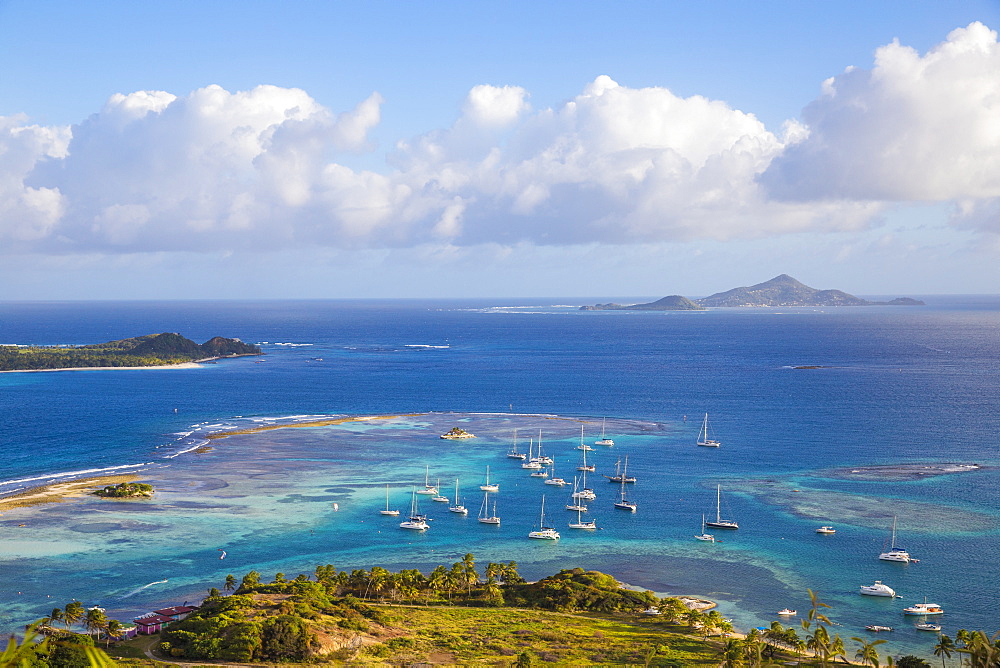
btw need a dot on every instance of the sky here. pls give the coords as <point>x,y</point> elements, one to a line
<point>240,150</point>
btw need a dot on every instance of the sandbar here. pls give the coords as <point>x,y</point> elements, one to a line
<point>58,492</point>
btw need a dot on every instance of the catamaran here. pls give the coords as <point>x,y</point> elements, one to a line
<point>416,521</point>
<point>458,507</point>
<point>553,480</point>
<point>585,492</point>
<point>428,489</point>
<point>488,486</point>
<point>532,463</point>
<point>439,497</point>
<point>705,536</point>
<point>895,553</point>
<point>544,532</point>
<point>720,523</point>
<point>574,500</point>
<point>393,513</point>
<point>603,440</point>
<point>540,458</point>
<point>485,516</point>
<point>703,438</point>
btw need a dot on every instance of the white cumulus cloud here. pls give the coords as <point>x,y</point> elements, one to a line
<point>269,168</point>
<point>912,128</point>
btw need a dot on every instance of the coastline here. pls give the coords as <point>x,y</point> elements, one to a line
<point>58,492</point>
<point>196,364</point>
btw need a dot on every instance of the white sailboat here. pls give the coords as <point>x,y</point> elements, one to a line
<point>428,489</point>
<point>895,553</point>
<point>554,480</point>
<point>585,492</point>
<point>416,521</point>
<point>532,463</point>
<point>603,440</point>
<point>485,515</point>
<point>585,466</point>
<point>720,523</point>
<point>583,446</point>
<point>705,536</point>
<point>703,438</point>
<point>581,523</point>
<point>488,486</point>
<point>514,454</point>
<point>439,497</point>
<point>393,513</point>
<point>458,507</point>
<point>624,503</point>
<point>544,532</point>
<point>574,500</point>
<point>539,457</point>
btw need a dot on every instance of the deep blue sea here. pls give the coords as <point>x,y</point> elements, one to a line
<point>892,386</point>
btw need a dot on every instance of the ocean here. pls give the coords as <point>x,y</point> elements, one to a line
<point>810,406</point>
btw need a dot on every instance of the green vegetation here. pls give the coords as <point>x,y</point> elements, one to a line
<point>149,350</point>
<point>126,490</point>
<point>457,616</point>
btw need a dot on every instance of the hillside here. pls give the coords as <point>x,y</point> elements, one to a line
<point>149,350</point>
<point>784,290</point>
<point>671,303</point>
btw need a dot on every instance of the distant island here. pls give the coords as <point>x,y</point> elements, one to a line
<point>143,351</point>
<point>781,290</point>
<point>671,303</point>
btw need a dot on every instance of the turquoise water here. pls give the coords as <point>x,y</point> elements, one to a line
<point>897,386</point>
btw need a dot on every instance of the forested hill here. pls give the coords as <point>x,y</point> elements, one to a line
<point>149,350</point>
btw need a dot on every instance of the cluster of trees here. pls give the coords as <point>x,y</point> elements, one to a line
<point>125,490</point>
<point>233,628</point>
<point>149,350</point>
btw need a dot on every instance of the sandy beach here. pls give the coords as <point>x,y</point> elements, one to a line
<point>58,492</point>
<point>182,365</point>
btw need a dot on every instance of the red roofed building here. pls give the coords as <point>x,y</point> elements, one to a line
<point>151,624</point>
<point>176,612</point>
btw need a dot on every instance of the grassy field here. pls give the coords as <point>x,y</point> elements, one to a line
<point>498,636</point>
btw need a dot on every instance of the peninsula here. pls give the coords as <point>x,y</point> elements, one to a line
<point>152,350</point>
<point>780,291</point>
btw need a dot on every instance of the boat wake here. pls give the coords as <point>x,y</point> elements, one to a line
<point>136,591</point>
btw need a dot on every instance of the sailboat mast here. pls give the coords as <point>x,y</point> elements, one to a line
<point>718,503</point>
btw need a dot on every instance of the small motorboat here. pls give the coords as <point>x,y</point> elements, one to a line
<point>878,628</point>
<point>826,530</point>
<point>786,611</point>
<point>927,627</point>
<point>924,608</point>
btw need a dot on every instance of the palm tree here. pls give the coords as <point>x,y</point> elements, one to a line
<point>982,650</point>
<point>230,582</point>
<point>867,654</point>
<point>72,613</point>
<point>469,571</point>
<point>95,620</point>
<point>56,616</point>
<point>837,648</point>
<point>944,647</point>
<point>732,654</point>
<point>113,628</point>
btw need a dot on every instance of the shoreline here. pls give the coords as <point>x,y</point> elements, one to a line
<point>195,364</point>
<point>59,492</point>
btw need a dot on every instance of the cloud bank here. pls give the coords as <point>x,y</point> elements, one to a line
<point>269,167</point>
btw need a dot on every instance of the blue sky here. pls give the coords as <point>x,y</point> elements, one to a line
<point>478,149</point>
